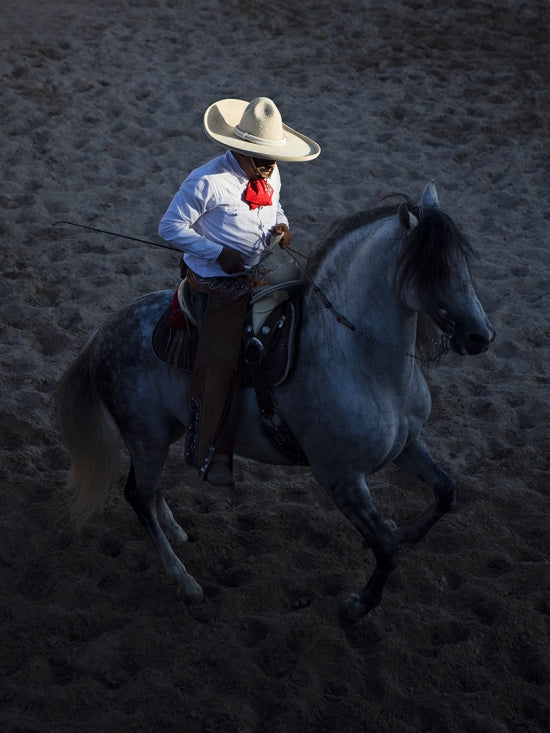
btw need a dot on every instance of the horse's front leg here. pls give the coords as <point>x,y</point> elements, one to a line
<point>417,459</point>
<point>355,501</point>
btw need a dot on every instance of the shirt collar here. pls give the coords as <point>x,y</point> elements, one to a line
<point>232,162</point>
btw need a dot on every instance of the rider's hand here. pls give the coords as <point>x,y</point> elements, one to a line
<point>285,231</point>
<point>230,261</point>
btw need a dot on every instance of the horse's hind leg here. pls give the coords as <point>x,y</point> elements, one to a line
<point>142,493</point>
<point>417,459</point>
<point>382,537</point>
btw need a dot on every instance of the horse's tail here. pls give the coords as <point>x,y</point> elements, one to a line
<point>84,425</point>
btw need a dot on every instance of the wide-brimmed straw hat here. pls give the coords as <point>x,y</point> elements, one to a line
<point>255,128</point>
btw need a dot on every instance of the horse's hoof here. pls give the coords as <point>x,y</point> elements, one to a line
<point>351,611</point>
<point>190,591</point>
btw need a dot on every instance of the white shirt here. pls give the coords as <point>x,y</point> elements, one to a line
<point>209,213</point>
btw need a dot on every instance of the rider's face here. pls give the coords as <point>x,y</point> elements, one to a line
<point>264,167</point>
<point>255,167</point>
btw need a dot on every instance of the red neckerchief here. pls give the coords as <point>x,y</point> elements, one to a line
<point>258,193</point>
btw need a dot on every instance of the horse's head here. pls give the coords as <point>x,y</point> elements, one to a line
<point>433,275</point>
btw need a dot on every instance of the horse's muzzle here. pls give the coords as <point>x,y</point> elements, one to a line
<point>474,342</point>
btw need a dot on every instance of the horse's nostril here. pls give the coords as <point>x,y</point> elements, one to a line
<point>477,342</point>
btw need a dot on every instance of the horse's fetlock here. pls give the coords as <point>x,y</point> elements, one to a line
<point>389,544</point>
<point>387,559</point>
<point>391,562</point>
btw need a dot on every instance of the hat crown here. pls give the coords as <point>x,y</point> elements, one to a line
<point>262,120</point>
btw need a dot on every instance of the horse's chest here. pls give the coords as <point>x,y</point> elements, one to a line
<point>380,420</point>
<point>366,411</point>
<point>411,413</point>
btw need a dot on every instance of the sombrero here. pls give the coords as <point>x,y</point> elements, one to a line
<point>256,128</point>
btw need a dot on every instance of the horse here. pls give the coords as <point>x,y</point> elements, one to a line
<point>356,400</point>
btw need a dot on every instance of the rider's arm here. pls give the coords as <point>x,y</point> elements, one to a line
<point>176,226</point>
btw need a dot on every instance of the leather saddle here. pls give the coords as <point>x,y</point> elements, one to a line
<point>270,341</point>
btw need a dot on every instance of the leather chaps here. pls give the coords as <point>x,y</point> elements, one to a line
<point>219,307</point>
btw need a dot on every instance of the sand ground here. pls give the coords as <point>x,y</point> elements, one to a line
<point>101,110</point>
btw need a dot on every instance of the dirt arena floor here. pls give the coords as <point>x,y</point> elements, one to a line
<point>101,120</point>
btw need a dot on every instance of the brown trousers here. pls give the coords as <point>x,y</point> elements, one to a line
<point>221,305</point>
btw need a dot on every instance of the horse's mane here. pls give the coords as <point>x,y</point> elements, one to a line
<point>338,228</point>
<point>427,257</point>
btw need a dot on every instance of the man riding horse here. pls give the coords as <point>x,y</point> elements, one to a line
<point>222,218</point>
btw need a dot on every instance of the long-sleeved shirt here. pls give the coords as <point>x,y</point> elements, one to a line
<point>209,213</point>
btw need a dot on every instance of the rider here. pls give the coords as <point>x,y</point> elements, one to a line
<point>222,218</point>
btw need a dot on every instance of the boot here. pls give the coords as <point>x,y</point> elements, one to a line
<point>219,472</point>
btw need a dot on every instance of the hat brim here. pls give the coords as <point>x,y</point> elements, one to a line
<point>221,118</point>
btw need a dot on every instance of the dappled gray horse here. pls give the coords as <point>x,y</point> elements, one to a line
<point>355,401</point>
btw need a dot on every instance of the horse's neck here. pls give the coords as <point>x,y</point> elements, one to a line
<point>357,277</point>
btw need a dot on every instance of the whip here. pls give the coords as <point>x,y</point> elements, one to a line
<point>116,234</point>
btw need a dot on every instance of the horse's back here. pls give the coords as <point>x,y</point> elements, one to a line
<point>139,315</point>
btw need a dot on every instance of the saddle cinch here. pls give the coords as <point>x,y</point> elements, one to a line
<point>269,346</point>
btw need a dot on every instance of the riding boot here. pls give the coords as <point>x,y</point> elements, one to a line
<point>220,471</point>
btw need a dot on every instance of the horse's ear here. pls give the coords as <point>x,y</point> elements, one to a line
<point>407,219</point>
<point>430,198</point>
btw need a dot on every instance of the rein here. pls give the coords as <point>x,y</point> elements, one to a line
<point>444,345</point>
